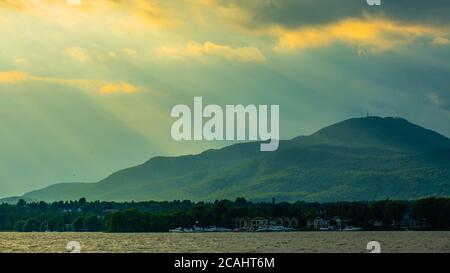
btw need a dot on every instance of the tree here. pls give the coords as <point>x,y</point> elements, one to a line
<point>42,206</point>
<point>78,224</point>
<point>18,226</point>
<point>436,212</point>
<point>130,220</point>
<point>92,223</point>
<point>32,224</point>
<point>22,203</point>
<point>394,212</point>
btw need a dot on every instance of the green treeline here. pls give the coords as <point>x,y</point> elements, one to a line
<point>431,213</point>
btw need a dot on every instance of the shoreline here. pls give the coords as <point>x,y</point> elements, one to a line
<point>290,242</point>
<point>219,232</point>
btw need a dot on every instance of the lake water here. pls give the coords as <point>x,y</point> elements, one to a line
<point>404,241</point>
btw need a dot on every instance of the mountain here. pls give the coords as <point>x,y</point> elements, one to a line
<point>356,159</point>
<point>388,133</point>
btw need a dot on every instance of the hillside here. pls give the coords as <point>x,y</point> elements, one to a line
<point>356,159</point>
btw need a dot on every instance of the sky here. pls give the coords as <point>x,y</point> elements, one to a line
<point>87,88</point>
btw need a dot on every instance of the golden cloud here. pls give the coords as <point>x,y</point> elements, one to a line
<point>229,14</point>
<point>83,55</point>
<point>103,87</point>
<point>153,12</point>
<point>79,54</point>
<point>130,53</point>
<point>12,77</point>
<point>144,12</point>
<point>122,87</point>
<point>197,50</point>
<point>373,34</point>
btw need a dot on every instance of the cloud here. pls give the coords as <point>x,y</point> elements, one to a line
<point>374,35</point>
<point>97,54</point>
<point>321,23</point>
<point>156,13</point>
<point>439,100</point>
<point>197,50</point>
<point>152,13</point>
<point>78,54</point>
<point>130,53</point>
<point>441,41</point>
<point>103,87</point>
<point>298,13</point>
<point>11,77</point>
<point>435,99</point>
<point>20,61</point>
<point>122,87</point>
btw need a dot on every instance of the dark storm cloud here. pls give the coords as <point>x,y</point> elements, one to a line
<point>294,13</point>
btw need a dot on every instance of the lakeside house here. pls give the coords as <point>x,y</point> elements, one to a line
<point>318,223</point>
<point>252,223</point>
<point>338,223</point>
<point>377,223</point>
<point>412,224</point>
<point>407,223</point>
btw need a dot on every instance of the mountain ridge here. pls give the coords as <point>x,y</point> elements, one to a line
<point>356,159</point>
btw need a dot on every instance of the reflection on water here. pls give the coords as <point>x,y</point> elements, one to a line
<point>228,242</point>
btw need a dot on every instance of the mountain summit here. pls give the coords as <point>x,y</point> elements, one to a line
<point>356,159</point>
<point>389,133</point>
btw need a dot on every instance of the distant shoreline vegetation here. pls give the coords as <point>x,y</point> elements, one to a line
<point>152,216</point>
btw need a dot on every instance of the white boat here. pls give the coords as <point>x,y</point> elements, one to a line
<point>177,230</point>
<point>273,229</point>
<point>351,228</point>
<point>219,229</point>
<point>196,229</point>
